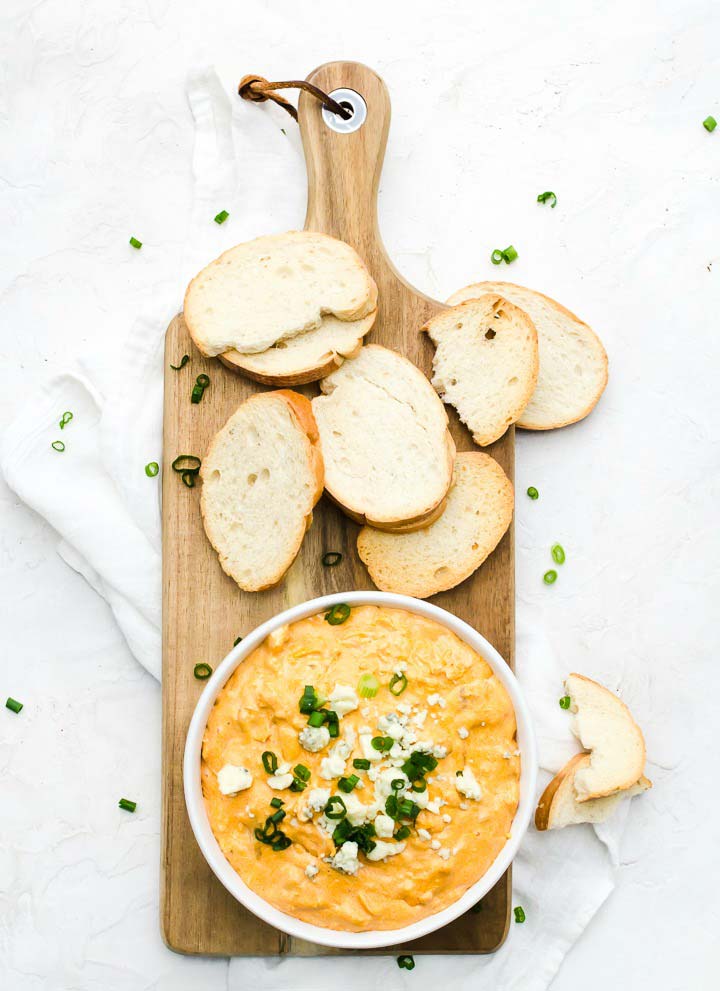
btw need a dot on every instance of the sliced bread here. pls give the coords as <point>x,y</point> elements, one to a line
<point>386,445</point>
<point>478,512</point>
<point>558,805</point>
<point>573,364</point>
<point>485,364</point>
<point>605,727</point>
<point>305,358</point>
<point>273,288</point>
<point>261,478</point>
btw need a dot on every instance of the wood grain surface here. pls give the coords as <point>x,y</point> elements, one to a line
<point>204,611</point>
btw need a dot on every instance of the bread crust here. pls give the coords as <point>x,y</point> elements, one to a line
<point>543,811</point>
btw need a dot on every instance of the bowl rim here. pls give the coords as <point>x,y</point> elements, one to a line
<point>231,880</point>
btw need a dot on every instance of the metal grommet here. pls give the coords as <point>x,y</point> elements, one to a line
<point>351,100</point>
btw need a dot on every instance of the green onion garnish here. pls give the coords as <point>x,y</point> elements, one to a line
<point>550,577</point>
<point>202,671</point>
<point>710,124</point>
<point>135,243</point>
<point>57,445</point>
<point>564,702</point>
<point>368,686</point>
<point>13,705</point>
<point>333,723</point>
<point>298,784</point>
<point>335,808</point>
<point>317,718</point>
<point>406,962</point>
<point>236,642</point>
<point>203,381</point>
<point>281,842</point>
<point>544,197</point>
<point>408,809</point>
<point>221,217</point>
<point>269,761</point>
<point>66,418</point>
<point>419,785</point>
<point>496,257</point>
<point>188,479</point>
<point>183,361</point>
<point>186,462</point>
<point>507,256</point>
<point>402,833</point>
<point>308,701</point>
<point>533,492</point>
<point>126,804</point>
<point>347,784</point>
<point>342,832</point>
<point>398,683</point>
<point>151,469</point>
<point>558,554</point>
<point>201,384</point>
<point>278,816</point>
<point>391,806</point>
<point>382,743</point>
<point>361,764</point>
<point>302,772</point>
<point>338,614</point>
<point>276,802</point>
<point>519,913</point>
<point>332,558</point>
<point>397,784</point>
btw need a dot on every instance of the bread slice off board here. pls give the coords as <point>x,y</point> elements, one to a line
<point>204,611</point>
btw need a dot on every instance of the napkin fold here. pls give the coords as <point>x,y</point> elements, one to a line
<point>106,512</point>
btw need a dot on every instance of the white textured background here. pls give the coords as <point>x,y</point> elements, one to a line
<point>601,102</point>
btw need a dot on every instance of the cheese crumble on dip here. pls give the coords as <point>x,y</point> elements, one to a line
<point>336,778</point>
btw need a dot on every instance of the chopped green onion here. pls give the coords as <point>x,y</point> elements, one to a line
<point>332,558</point>
<point>402,833</point>
<point>368,686</point>
<point>406,962</point>
<point>550,577</point>
<point>276,802</point>
<point>317,718</point>
<point>281,842</point>
<point>183,361</point>
<point>558,554</point>
<point>203,381</point>
<point>236,642</point>
<point>382,743</point>
<point>338,614</point>
<point>564,702</point>
<point>201,384</point>
<point>188,479</point>
<point>269,761</point>
<point>398,684</point>
<point>507,256</point>
<point>278,816</point>
<point>408,809</point>
<point>347,784</point>
<point>361,764</point>
<point>419,785</point>
<point>496,257</point>
<point>66,418</point>
<point>335,808</point>
<point>533,492</point>
<point>127,805</point>
<point>221,217</point>
<point>333,723</point>
<point>151,469</point>
<point>397,784</point>
<point>186,463</point>
<point>342,832</point>
<point>544,197</point>
<point>13,705</point>
<point>202,671</point>
<point>391,806</point>
<point>710,124</point>
<point>298,785</point>
<point>302,772</point>
<point>57,445</point>
<point>519,913</point>
<point>135,243</point>
<point>308,701</point>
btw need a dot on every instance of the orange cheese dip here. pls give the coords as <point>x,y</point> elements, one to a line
<point>453,710</point>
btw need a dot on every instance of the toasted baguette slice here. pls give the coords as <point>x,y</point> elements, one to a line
<point>573,364</point>
<point>604,726</point>
<point>305,358</point>
<point>261,478</point>
<point>558,806</point>
<point>478,512</point>
<point>384,432</point>
<point>274,288</point>
<point>485,364</point>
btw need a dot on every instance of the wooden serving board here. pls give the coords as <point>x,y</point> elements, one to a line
<point>204,611</point>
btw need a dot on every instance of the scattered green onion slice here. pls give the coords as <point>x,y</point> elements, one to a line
<point>544,197</point>
<point>188,479</point>
<point>276,802</point>
<point>186,462</point>
<point>347,784</point>
<point>710,124</point>
<point>127,805</point>
<point>519,913</point>
<point>203,380</point>
<point>496,257</point>
<point>408,809</point>
<point>332,558</point>
<point>361,764</point>
<point>397,784</point>
<point>135,243</point>
<point>558,554</point>
<point>564,702</point>
<point>202,671</point>
<point>278,816</point>
<point>333,723</point>
<point>338,614</point>
<point>550,576</point>
<point>509,254</point>
<point>236,642</point>
<point>398,683</point>
<point>382,743</point>
<point>308,700</point>
<point>302,772</point>
<point>201,384</point>
<point>298,785</point>
<point>406,962</point>
<point>57,445</point>
<point>221,217</point>
<point>533,492</point>
<point>316,718</point>
<point>335,808</point>
<point>66,418</point>
<point>402,833</point>
<point>151,469</point>
<point>183,361</point>
<point>281,842</point>
<point>269,761</point>
<point>368,686</point>
<point>391,806</point>
<point>419,785</point>
<point>13,705</point>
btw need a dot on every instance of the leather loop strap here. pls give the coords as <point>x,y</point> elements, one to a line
<point>258,89</point>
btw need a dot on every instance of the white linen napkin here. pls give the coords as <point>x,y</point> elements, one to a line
<point>95,495</point>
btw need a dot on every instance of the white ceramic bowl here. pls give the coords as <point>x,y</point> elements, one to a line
<point>305,930</point>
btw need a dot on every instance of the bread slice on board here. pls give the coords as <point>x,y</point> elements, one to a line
<point>306,358</point>
<point>558,805</point>
<point>386,445</point>
<point>605,727</point>
<point>262,475</point>
<point>485,363</point>
<point>273,288</point>
<point>478,512</point>
<point>573,364</point>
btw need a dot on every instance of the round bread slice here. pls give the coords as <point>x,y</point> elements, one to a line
<point>262,475</point>
<point>305,358</point>
<point>573,364</point>
<point>478,512</point>
<point>384,432</point>
<point>485,364</point>
<point>273,288</point>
